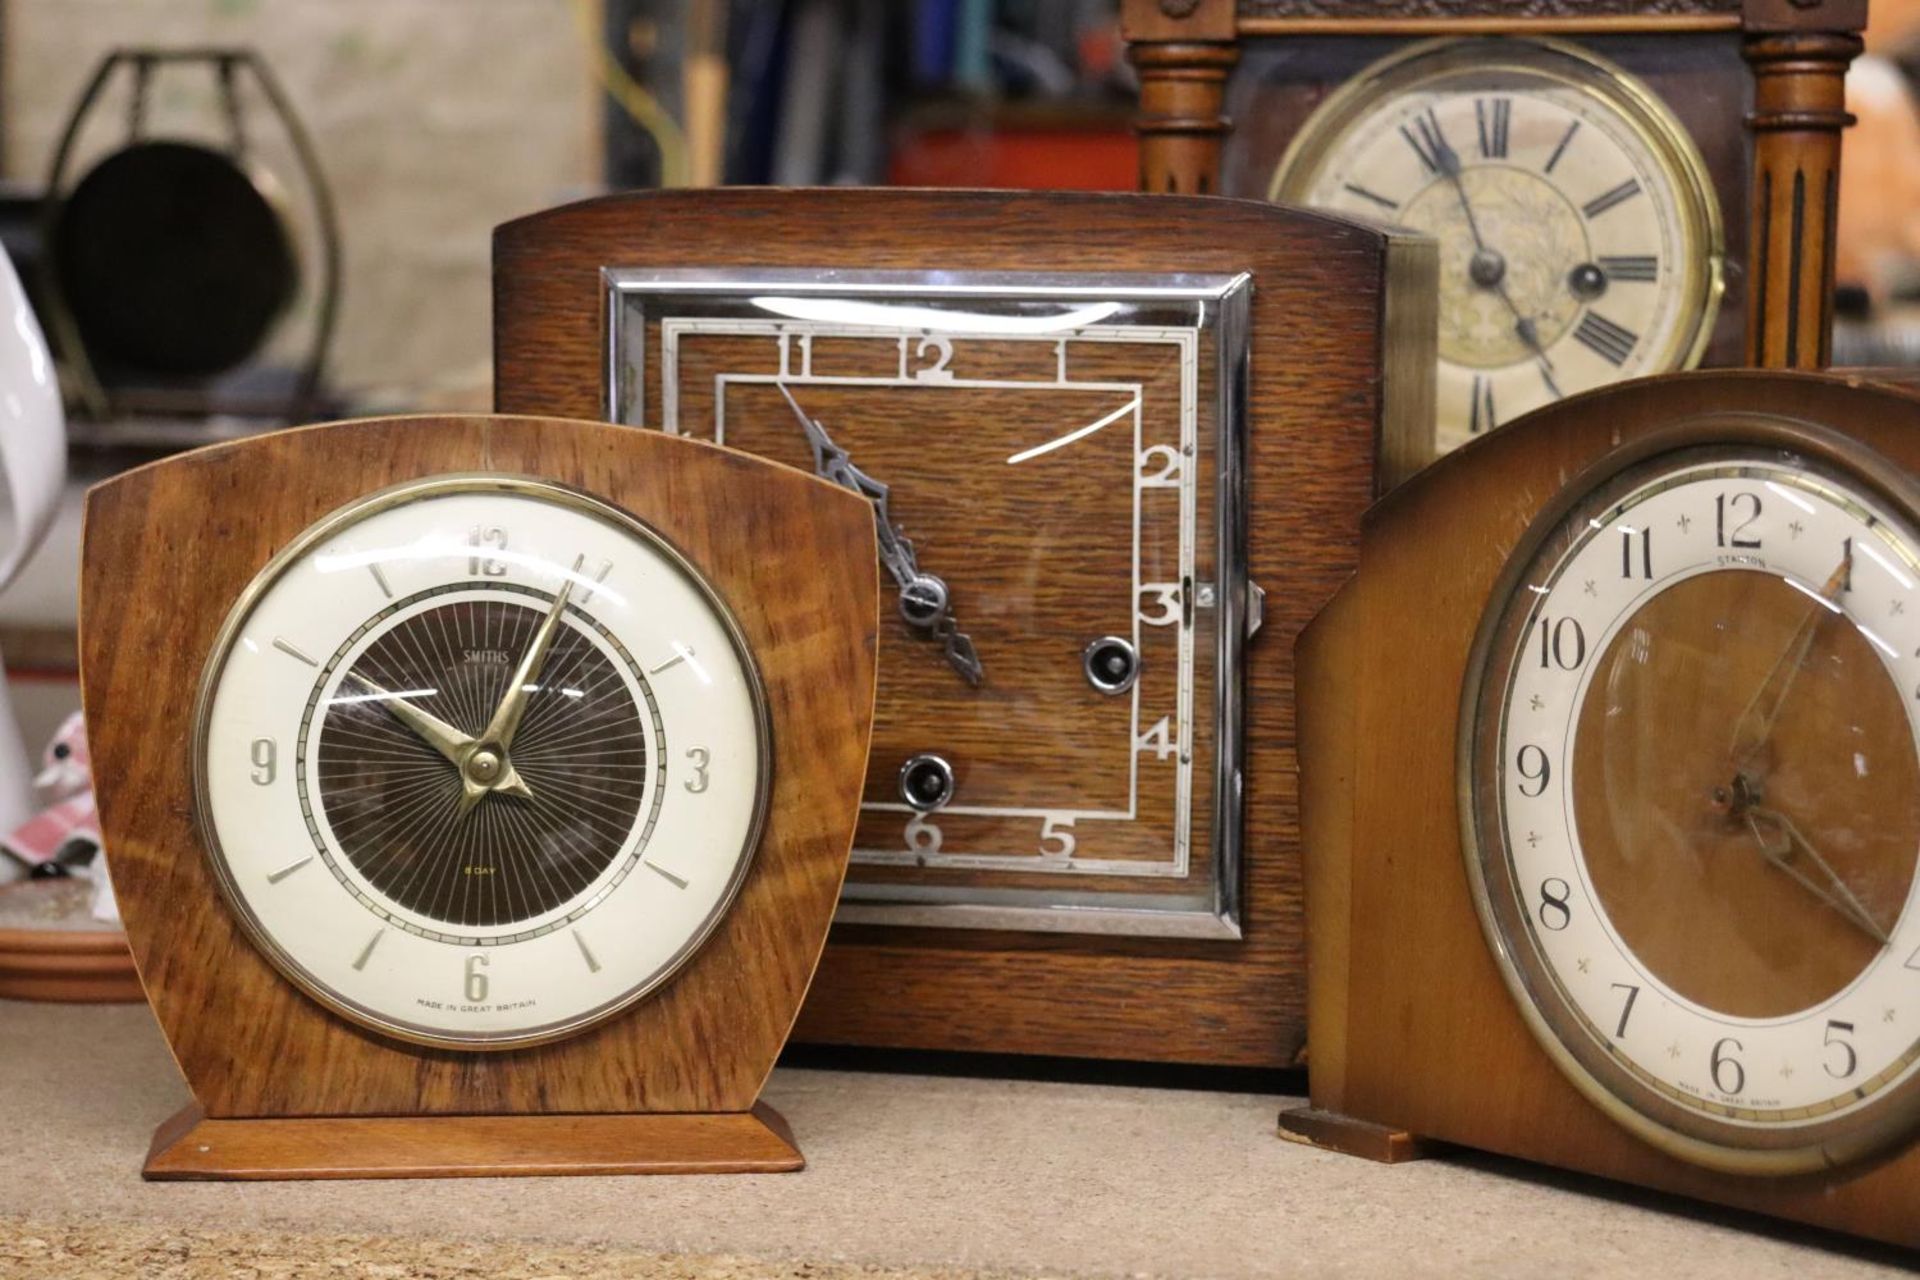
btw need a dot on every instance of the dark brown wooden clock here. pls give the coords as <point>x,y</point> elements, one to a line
<point>1620,874</point>
<point>1618,187</point>
<point>1117,447</point>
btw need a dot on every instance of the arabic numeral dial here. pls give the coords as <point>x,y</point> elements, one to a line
<point>1694,756</point>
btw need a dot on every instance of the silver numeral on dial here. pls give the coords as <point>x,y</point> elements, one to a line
<point>1166,595</point>
<point>700,757</point>
<point>1159,467</point>
<point>1158,739</point>
<point>476,979</point>
<point>479,565</point>
<point>266,762</point>
<point>1056,836</point>
<point>922,835</point>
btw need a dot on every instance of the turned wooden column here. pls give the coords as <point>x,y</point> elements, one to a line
<point>1183,50</point>
<point>1799,111</point>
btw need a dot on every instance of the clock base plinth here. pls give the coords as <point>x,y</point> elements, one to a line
<point>192,1148</point>
<point>1332,1131</point>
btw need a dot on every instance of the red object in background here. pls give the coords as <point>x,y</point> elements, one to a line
<point>1030,159</point>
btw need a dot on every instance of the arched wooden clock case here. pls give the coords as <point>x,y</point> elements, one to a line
<point>1444,1002</point>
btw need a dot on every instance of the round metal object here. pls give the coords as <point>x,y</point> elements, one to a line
<point>1112,664</point>
<point>1587,281</point>
<point>1487,268</point>
<point>926,782</point>
<point>174,260</point>
<point>923,601</point>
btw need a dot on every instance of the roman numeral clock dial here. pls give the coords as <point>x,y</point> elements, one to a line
<point>481,761</point>
<point>1579,238</point>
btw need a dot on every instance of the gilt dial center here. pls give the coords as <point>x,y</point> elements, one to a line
<point>1530,235</point>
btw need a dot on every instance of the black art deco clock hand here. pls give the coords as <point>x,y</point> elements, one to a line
<point>488,767</point>
<point>924,601</point>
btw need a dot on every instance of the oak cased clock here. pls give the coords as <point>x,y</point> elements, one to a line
<point>1652,802</point>
<point>484,750</point>
<point>1619,188</point>
<point>1080,756</point>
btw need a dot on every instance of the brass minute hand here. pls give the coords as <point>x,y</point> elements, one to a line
<point>498,735</point>
<point>434,731</point>
<point>1755,725</point>
<point>1780,841</point>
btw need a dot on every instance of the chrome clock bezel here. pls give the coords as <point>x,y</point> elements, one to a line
<point>1218,308</point>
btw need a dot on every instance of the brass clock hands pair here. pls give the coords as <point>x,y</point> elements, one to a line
<point>924,600</point>
<point>483,762</point>
<point>1780,842</point>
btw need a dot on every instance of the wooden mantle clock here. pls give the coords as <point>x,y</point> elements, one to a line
<point>1620,875</point>
<point>1118,447</point>
<point>1619,187</point>
<point>479,790</point>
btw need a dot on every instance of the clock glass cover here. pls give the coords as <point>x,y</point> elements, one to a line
<point>1580,240</point>
<point>480,760</point>
<point>1693,801</point>
<point>1054,466</point>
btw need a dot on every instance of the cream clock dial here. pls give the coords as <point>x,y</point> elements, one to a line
<point>1580,241</point>
<point>1696,805</point>
<point>480,760</point>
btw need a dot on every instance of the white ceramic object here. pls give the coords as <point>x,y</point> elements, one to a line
<point>33,454</point>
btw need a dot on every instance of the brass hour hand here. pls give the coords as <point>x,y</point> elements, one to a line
<point>431,729</point>
<point>1782,845</point>
<point>924,601</point>
<point>1755,725</point>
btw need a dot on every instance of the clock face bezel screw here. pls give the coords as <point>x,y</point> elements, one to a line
<point>926,782</point>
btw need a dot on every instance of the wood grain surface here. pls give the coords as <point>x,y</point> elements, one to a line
<point>1317,420</point>
<point>1413,1027</point>
<point>192,1148</point>
<point>169,547</point>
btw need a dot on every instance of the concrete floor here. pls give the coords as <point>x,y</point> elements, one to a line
<point>909,1176</point>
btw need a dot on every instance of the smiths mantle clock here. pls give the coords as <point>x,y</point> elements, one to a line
<point>1081,783</point>
<point>1619,187</point>
<point>478,794</point>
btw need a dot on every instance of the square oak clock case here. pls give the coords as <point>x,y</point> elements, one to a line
<point>1117,448</point>
<point>1619,187</point>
